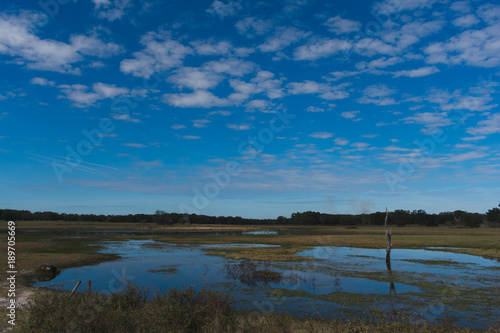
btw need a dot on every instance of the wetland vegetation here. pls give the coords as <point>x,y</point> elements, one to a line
<point>339,272</point>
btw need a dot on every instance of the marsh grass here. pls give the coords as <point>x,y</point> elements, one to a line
<point>188,310</point>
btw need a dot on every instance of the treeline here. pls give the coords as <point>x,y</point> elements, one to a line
<point>398,217</point>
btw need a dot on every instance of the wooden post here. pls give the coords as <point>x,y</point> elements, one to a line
<point>76,287</point>
<point>388,235</point>
<point>88,287</point>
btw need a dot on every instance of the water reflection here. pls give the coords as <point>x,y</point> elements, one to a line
<point>314,286</point>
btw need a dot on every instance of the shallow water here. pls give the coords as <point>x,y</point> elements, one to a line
<point>342,280</point>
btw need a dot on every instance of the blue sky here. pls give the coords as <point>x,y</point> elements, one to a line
<point>249,108</point>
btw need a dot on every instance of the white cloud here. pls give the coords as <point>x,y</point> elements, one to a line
<point>478,48</point>
<point>251,27</point>
<point>263,82</point>
<point>314,109</point>
<point>282,38</point>
<point>199,123</point>
<point>111,10</point>
<point>311,87</point>
<point>350,115</point>
<point>430,120</point>
<point>236,127</point>
<point>231,66</point>
<point>396,6</point>
<point>178,126</point>
<point>191,137</point>
<point>489,13</point>
<point>211,47</point>
<point>341,141</point>
<point>82,97</point>
<point>109,90</point>
<point>161,53</point>
<point>261,105</point>
<point>378,94</point>
<point>220,113</point>
<point>195,78</point>
<point>321,49</point>
<point>222,9</point>
<point>419,72</point>
<point>19,40</point>
<point>411,32</point>
<point>487,126</point>
<point>135,145</point>
<point>374,65</point>
<point>42,82</point>
<point>341,26</point>
<point>461,6</point>
<point>197,99</point>
<point>465,21</point>
<point>321,135</point>
<point>466,156</point>
<point>370,46</point>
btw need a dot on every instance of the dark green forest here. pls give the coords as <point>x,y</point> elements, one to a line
<point>398,217</point>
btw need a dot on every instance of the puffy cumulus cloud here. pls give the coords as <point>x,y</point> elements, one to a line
<point>371,46</point>
<point>322,48</point>
<point>19,40</point>
<point>465,21</point>
<point>81,96</point>
<point>160,53</point>
<point>321,135</point>
<point>411,33</point>
<point>342,26</point>
<point>222,9</point>
<point>478,48</point>
<point>374,65</point>
<point>378,94</point>
<point>111,9</point>
<point>461,6</point>
<point>419,72</point>
<point>430,120</point>
<point>261,105</point>
<point>491,125</point>
<point>201,123</point>
<point>397,6</point>
<point>263,82</point>
<point>42,82</point>
<point>196,99</point>
<point>230,66</point>
<point>195,78</point>
<point>315,109</point>
<point>325,91</point>
<point>341,141</point>
<point>282,38</point>
<point>212,47</point>
<point>350,115</point>
<point>477,100</point>
<point>251,27</point>
<point>489,13</point>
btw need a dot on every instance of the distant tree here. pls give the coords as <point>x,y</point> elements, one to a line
<point>473,220</point>
<point>459,216</point>
<point>400,217</point>
<point>160,217</point>
<point>493,215</point>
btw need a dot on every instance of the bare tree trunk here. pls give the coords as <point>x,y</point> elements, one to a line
<point>388,235</point>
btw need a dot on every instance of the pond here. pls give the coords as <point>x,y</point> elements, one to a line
<point>340,282</point>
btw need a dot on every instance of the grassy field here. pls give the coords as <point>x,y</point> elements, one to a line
<point>53,243</point>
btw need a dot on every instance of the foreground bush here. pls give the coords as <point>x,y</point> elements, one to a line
<point>130,311</point>
<point>184,310</point>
